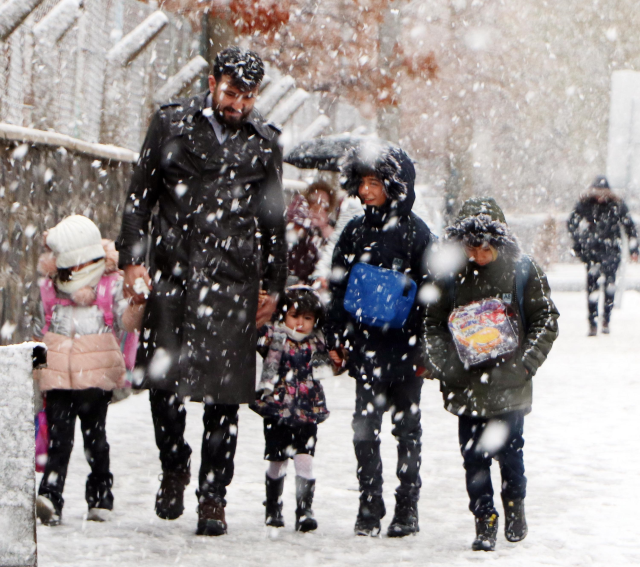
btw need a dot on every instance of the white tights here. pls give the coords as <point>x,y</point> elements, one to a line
<point>302,462</point>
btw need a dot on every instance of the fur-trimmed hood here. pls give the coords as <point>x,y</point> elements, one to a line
<point>389,163</point>
<point>600,196</point>
<point>599,192</point>
<point>480,221</point>
<point>47,261</point>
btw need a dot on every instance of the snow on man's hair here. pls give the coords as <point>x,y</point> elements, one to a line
<point>244,67</point>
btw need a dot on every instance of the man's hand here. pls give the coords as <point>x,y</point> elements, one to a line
<point>131,273</point>
<point>266,307</point>
<point>634,257</point>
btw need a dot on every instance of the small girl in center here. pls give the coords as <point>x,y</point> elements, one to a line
<point>292,401</point>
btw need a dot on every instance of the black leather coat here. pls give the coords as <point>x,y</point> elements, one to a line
<point>206,260</point>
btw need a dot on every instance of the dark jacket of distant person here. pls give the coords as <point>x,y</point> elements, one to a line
<point>597,222</point>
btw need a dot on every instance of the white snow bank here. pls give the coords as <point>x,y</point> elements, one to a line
<point>17,461</point>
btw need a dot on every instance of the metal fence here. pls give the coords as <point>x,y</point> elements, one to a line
<point>56,74</point>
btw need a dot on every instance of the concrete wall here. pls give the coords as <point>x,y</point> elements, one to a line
<point>68,83</point>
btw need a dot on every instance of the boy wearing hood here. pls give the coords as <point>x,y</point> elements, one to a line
<point>381,358</point>
<point>490,397</point>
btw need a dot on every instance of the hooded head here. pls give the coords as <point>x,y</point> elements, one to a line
<point>481,221</point>
<point>388,163</point>
<point>600,191</point>
<point>600,182</point>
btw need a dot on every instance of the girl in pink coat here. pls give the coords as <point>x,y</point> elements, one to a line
<point>82,317</point>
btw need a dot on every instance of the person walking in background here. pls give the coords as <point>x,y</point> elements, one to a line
<point>485,337</point>
<point>596,226</point>
<point>303,241</point>
<point>213,168</point>
<point>374,333</point>
<point>82,311</point>
<point>291,400</point>
<point>310,226</point>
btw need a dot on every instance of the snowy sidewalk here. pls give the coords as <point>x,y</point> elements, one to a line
<point>573,277</point>
<point>581,455</point>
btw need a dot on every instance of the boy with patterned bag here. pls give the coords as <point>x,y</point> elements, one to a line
<point>486,335</point>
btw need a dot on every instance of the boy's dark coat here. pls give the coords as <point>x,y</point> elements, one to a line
<point>506,387</point>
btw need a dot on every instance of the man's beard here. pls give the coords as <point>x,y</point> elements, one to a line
<point>234,122</point>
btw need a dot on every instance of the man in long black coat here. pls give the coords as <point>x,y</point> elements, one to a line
<point>596,226</point>
<point>217,261</point>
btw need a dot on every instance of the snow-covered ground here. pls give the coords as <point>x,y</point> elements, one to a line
<point>581,454</point>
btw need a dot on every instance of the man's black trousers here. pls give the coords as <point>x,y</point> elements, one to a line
<point>503,441</point>
<point>607,268</point>
<point>402,398</point>
<point>62,408</point>
<point>219,440</point>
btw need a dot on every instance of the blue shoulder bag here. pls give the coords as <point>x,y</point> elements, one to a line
<point>378,296</point>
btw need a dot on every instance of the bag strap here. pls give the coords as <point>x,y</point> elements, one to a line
<point>104,298</point>
<point>523,267</point>
<point>49,300</point>
<point>360,233</point>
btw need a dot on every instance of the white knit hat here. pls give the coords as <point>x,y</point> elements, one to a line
<point>75,240</point>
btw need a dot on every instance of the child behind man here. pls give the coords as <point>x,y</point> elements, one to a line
<point>81,307</point>
<point>485,355</point>
<point>292,401</point>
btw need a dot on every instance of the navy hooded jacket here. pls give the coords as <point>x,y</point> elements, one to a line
<point>390,237</point>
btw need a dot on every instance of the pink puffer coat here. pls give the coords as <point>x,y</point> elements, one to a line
<point>82,335</point>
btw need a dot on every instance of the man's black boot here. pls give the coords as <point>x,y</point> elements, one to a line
<point>273,503</point>
<point>305,489</point>
<point>515,522</point>
<point>170,496</point>
<point>370,513</point>
<point>211,520</point>
<point>486,533</point>
<point>405,517</point>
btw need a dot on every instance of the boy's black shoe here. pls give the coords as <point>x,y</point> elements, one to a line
<point>405,517</point>
<point>49,514</point>
<point>515,527</point>
<point>593,330</point>
<point>486,533</point>
<point>211,521</point>
<point>170,496</point>
<point>370,513</point>
<point>605,328</point>
<point>305,489</point>
<point>273,503</point>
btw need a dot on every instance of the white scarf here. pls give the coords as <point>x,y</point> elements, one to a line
<point>89,276</point>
